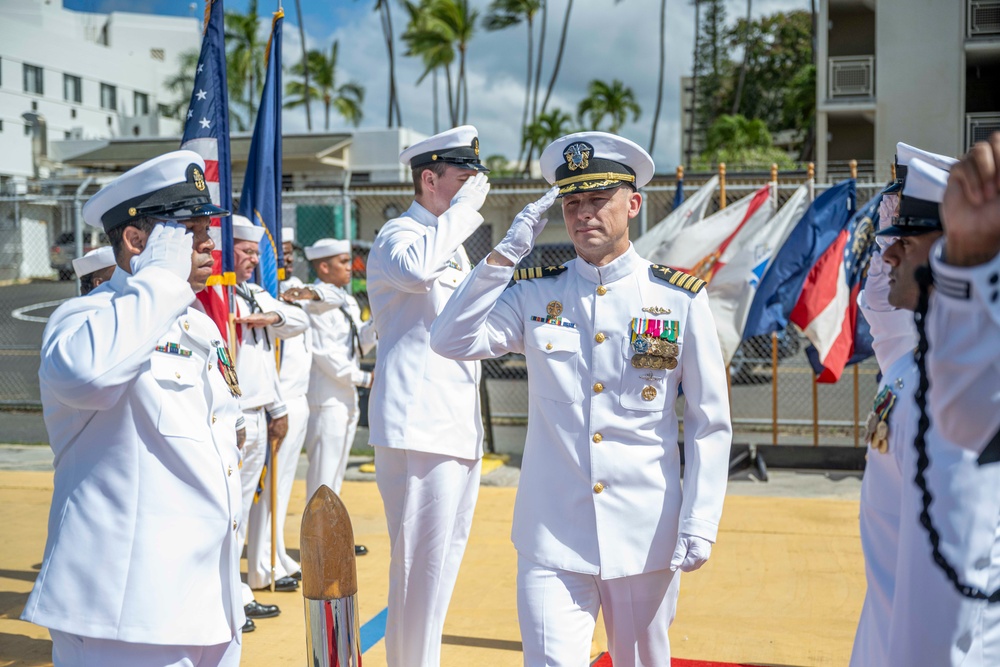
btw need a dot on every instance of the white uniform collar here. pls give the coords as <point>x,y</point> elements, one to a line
<point>617,269</point>
<point>421,214</point>
<point>119,278</point>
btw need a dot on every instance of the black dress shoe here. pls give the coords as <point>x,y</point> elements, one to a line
<point>297,576</point>
<point>360,550</point>
<point>249,626</point>
<point>284,585</point>
<point>258,610</point>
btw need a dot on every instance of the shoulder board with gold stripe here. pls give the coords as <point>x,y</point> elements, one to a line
<point>677,278</point>
<point>538,272</point>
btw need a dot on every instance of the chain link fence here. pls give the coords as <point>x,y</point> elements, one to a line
<point>40,240</point>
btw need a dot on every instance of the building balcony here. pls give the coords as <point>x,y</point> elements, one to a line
<point>979,126</point>
<point>982,19</point>
<point>850,78</point>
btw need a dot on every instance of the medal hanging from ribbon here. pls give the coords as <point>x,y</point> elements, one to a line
<point>227,369</point>
<point>877,426</point>
<point>654,343</point>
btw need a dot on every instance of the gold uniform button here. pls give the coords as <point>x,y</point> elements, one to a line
<point>210,367</point>
<point>178,375</point>
<point>601,290</point>
<point>598,437</point>
<point>234,524</point>
<point>213,417</point>
<point>598,387</point>
<point>186,325</point>
<point>598,487</point>
<point>229,471</point>
<point>548,346</point>
<point>600,338</point>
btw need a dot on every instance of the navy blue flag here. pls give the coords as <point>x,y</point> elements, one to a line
<point>206,132</point>
<point>679,193</point>
<point>261,198</point>
<point>781,285</point>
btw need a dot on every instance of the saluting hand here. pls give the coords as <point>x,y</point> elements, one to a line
<point>971,208</point>
<point>259,320</point>
<point>473,192</point>
<point>169,247</point>
<point>527,225</point>
<point>293,294</point>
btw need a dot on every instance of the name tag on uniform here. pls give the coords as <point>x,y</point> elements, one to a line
<point>173,348</point>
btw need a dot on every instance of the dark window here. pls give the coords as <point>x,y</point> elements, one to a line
<point>72,88</point>
<point>141,104</point>
<point>34,80</point>
<point>109,97</point>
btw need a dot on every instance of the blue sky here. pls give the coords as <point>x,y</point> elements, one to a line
<point>608,40</point>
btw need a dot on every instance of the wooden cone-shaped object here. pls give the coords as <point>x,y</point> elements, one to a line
<point>329,582</point>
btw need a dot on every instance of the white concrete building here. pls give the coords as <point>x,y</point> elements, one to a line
<point>77,75</point>
<point>927,73</point>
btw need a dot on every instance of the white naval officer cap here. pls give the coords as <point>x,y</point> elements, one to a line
<point>458,146</point>
<point>327,248</point>
<point>288,235</point>
<point>919,206</point>
<point>169,187</point>
<point>905,154</point>
<point>244,230</point>
<point>95,260</point>
<point>587,161</point>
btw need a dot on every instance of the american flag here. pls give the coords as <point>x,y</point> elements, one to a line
<point>206,132</point>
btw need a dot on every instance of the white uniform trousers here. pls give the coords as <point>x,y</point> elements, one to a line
<point>331,432</point>
<point>70,650</point>
<point>557,613</point>
<point>254,453</point>
<point>259,550</point>
<point>429,502</point>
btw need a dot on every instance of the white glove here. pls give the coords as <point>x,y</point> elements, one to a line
<point>473,192</point>
<point>691,553</point>
<point>876,294</point>
<point>886,210</point>
<point>528,224</point>
<point>169,247</point>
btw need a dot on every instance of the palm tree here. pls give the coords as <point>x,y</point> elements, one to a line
<point>432,46</point>
<point>613,101</point>
<point>659,81</point>
<point>503,14</point>
<point>559,55</point>
<point>181,83</point>
<point>305,70</point>
<point>346,98</point>
<point>438,29</point>
<point>547,128</point>
<point>743,65</point>
<point>244,61</point>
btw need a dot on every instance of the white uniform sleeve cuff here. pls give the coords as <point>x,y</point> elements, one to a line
<point>699,528</point>
<point>967,288</point>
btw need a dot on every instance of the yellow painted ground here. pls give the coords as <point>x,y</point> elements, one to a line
<point>784,586</point>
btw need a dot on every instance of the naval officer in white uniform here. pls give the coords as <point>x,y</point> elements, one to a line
<point>956,612</point>
<point>141,563</point>
<point>339,340</point>
<point>600,520</point>
<point>887,303</point>
<point>263,319</point>
<point>424,412</point>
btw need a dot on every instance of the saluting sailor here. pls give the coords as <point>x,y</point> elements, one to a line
<point>887,303</point>
<point>952,599</point>
<point>141,563</point>
<point>425,422</point>
<point>600,520</point>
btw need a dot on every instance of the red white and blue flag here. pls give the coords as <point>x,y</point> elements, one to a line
<point>827,309</point>
<point>206,132</point>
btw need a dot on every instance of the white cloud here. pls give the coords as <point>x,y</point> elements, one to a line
<point>606,41</point>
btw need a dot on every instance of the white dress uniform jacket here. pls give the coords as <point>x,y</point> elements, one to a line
<point>894,338</point>
<point>142,540</point>
<point>600,490</point>
<point>420,400</point>
<point>963,364</point>
<point>296,356</point>
<point>336,369</point>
